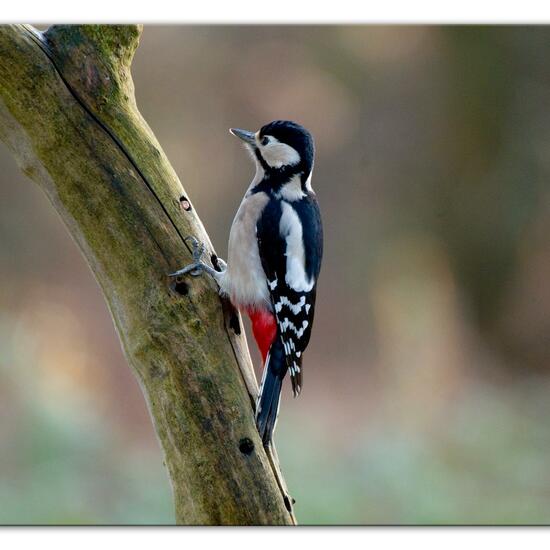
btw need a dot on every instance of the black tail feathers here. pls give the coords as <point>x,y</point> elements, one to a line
<point>270,392</point>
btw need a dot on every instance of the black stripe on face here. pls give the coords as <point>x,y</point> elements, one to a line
<point>261,159</point>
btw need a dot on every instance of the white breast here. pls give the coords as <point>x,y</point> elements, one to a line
<point>244,280</point>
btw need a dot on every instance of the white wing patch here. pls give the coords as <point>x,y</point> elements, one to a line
<point>291,230</point>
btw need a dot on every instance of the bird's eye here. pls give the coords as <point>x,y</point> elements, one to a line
<point>265,140</point>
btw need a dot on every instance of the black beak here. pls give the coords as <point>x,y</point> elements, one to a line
<point>245,135</point>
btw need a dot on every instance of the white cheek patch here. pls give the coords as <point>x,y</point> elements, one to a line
<point>291,230</point>
<point>278,154</point>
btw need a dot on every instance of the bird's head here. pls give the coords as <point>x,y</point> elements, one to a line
<point>281,146</point>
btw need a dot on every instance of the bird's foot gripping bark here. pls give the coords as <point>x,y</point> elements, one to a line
<point>198,266</point>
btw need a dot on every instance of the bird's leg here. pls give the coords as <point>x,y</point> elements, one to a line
<point>198,266</point>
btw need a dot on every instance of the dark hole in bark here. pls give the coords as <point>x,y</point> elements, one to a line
<point>215,263</point>
<point>233,317</point>
<point>288,506</point>
<point>246,446</point>
<point>181,288</point>
<point>234,323</point>
<point>185,204</point>
<point>230,315</point>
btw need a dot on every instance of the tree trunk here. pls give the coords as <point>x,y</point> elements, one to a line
<point>68,113</point>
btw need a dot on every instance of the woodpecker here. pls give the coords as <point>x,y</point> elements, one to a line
<point>274,258</point>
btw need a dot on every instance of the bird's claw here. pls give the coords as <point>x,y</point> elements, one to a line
<point>198,248</point>
<point>197,267</point>
<point>194,269</point>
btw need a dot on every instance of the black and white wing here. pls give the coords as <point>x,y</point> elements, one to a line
<point>290,241</point>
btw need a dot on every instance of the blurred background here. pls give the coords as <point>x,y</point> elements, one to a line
<point>427,380</point>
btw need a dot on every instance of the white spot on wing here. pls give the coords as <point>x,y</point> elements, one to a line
<point>287,348</point>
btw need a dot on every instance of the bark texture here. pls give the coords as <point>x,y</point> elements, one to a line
<point>68,113</point>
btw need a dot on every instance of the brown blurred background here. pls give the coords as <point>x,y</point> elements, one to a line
<point>427,380</point>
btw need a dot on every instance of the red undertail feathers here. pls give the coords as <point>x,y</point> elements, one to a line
<point>264,327</point>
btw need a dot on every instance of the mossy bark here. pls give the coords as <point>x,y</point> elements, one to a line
<point>68,113</point>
